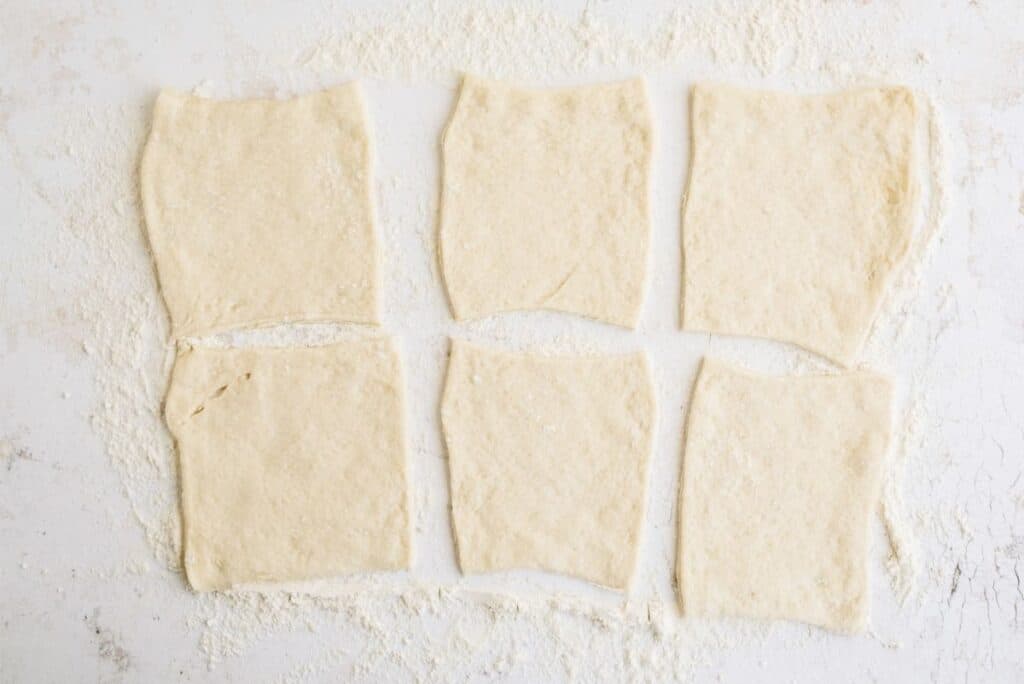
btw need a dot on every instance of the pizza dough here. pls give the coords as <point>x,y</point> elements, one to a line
<point>800,209</point>
<point>548,460</point>
<point>293,462</point>
<point>544,200</point>
<point>259,211</point>
<point>780,479</point>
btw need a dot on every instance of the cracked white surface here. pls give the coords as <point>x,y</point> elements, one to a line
<point>88,521</point>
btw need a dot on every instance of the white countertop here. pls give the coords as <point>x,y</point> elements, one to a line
<point>89,584</point>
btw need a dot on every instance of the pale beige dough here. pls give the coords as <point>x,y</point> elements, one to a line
<point>780,480</point>
<point>259,211</point>
<point>293,462</point>
<point>544,200</point>
<point>799,211</point>
<point>548,460</point>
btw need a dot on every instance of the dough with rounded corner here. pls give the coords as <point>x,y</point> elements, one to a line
<point>800,210</point>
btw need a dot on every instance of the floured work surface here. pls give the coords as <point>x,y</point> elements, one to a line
<point>544,200</point>
<point>780,480</point>
<point>293,462</point>
<point>85,344</point>
<point>548,460</point>
<point>259,211</point>
<point>799,211</point>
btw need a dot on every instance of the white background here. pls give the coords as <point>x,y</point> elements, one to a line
<point>89,584</point>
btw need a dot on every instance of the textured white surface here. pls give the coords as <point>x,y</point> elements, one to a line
<point>89,585</point>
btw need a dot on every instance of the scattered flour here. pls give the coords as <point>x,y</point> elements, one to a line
<point>425,631</point>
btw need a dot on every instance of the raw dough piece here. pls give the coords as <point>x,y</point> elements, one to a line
<point>293,462</point>
<point>800,209</point>
<point>780,480</point>
<point>548,460</point>
<point>259,211</point>
<point>544,204</point>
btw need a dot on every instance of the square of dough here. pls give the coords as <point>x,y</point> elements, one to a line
<point>799,211</point>
<point>259,211</point>
<point>293,462</point>
<point>780,480</point>
<point>544,200</point>
<point>548,461</point>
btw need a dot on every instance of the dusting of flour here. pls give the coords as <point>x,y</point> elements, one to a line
<point>454,629</point>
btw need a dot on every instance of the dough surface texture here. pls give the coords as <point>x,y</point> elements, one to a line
<point>548,460</point>
<point>780,480</point>
<point>800,210</point>
<point>545,200</point>
<point>259,211</point>
<point>293,462</point>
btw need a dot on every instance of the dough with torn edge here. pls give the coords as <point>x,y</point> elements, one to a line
<point>780,479</point>
<point>293,462</point>
<point>548,460</point>
<point>259,211</point>
<point>544,201</point>
<point>800,210</point>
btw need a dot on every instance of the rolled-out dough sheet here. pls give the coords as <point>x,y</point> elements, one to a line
<point>780,479</point>
<point>548,460</point>
<point>293,462</point>
<point>259,211</point>
<point>799,211</point>
<point>544,200</point>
